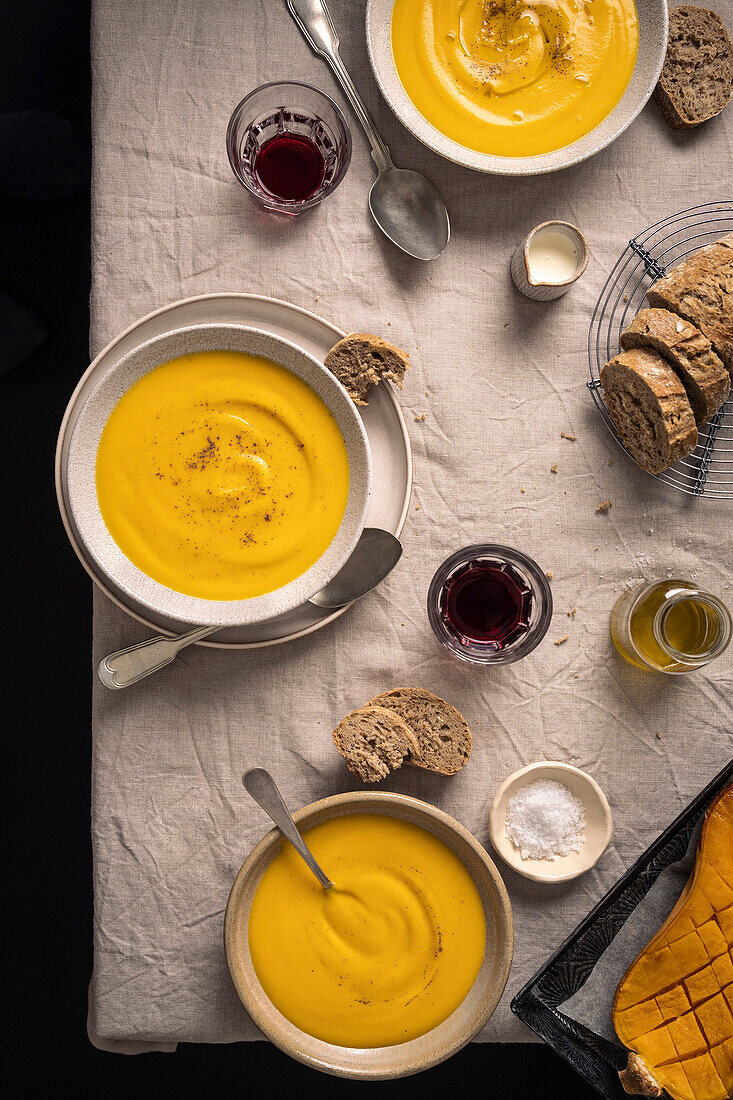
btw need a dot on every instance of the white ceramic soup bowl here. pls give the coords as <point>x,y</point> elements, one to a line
<point>82,494</point>
<point>653,27</point>
<point>376,1063</point>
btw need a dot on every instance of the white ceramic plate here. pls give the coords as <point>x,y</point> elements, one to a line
<point>653,28</point>
<point>382,418</point>
<point>598,822</point>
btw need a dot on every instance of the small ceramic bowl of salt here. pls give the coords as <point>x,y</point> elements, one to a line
<point>551,822</point>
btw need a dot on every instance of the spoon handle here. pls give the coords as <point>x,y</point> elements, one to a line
<point>314,20</point>
<point>127,666</point>
<point>260,784</point>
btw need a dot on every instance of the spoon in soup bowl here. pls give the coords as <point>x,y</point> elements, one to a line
<point>263,788</point>
<point>375,555</point>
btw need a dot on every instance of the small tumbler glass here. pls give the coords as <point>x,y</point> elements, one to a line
<point>301,112</point>
<point>525,579</point>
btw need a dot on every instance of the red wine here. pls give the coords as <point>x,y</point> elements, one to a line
<point>290,166</point>
<point>487,602</point>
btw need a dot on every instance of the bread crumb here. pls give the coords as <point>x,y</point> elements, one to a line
<point>522,490</point>
<point>610,462</point>
<point>568,435</point>
<point>576,675</point>
<point>553,468</point>
<point>604,506</point>
<point>571,613</point>
<point>596,548</point>
<point>562,641</point>
<point>419,419</point>
<point>658,736</point>
<point>506,324</point>
<point>417,507</point>
<point>549,575</point>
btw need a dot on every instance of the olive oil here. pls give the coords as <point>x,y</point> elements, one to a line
<point>670,626</point>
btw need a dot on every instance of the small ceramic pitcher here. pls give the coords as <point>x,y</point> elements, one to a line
<point>551,281</point>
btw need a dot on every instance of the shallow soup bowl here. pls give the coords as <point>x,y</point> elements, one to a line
<point>653,25</point>
<point>376,1063</point>
<point>84,507</point>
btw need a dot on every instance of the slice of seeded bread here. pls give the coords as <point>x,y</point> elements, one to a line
<point>361,361</point>
<point>696,81</point>
<point>649,406</point>
<point>374,742</point>
<point>700,290</point>
<point>689,352</point>
<point>441,730</point>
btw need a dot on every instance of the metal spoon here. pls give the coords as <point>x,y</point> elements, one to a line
<point>375,555</point>
<point>263,789</point>
<point>405,205</point>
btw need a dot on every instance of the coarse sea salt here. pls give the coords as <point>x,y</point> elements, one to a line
<point>545,820</point>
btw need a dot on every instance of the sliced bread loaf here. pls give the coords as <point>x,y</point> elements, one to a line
<point>696,81</point>
<point>361,361</point>
<point>700,290</point>
<point>649,406</point>
<point>689,352</point>
<point>442,732</point>
<point>374,742</point>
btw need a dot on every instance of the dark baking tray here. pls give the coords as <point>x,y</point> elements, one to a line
<point>594,1057</point>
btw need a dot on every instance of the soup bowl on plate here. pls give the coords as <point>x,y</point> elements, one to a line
<point>490,966</point>
<point>425,69</point>
<point>309,413</point>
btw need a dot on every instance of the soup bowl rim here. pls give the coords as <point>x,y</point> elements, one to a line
<point>385,1062</point>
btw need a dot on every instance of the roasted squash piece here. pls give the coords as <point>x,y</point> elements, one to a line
<point>674,1006</point>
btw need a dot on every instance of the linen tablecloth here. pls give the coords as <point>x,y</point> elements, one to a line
<point>499,378</point>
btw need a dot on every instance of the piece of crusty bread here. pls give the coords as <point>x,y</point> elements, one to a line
<point>700,290</point>
<point>696,81</point>
<point>442,732</point>
<point>374,742</point>
<point>361,361</point>
<point>649,406</point>
<point>689,352</point>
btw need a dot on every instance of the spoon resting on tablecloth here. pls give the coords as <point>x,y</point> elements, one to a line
<point>375,555</point>
<point>405,205</point>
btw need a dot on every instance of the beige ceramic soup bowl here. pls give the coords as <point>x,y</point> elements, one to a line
<point>84,509</point>
<point>376,1063</point>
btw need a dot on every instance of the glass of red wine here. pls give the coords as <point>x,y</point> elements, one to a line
<point>490,604</point>
<point>289,144</point>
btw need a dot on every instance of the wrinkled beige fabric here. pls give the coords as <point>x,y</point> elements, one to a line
<point>499,378</point>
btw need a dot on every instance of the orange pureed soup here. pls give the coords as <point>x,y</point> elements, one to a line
<point>222,475</point>
<point>515,78</point>
<point>384,956</point>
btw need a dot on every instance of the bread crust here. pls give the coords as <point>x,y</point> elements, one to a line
<point>445,739</point>
<point>699,62</point>
<point>374,741</point>
<point>649,406</point>
<point>689,353</point>
<point>362,360</point>
<point>700,290</point>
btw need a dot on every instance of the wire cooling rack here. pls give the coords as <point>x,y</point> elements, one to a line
<point>708,471</point>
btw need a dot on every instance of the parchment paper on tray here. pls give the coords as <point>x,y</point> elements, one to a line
<point>592,1004</point>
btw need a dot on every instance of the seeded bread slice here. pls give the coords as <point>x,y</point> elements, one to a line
<point>361,361</point>
<point>689,352</point>
<point>696,81</point>
<point>700,290</point>
<point>649,406</point>
<point>374,742</point>
<point>441,730</point>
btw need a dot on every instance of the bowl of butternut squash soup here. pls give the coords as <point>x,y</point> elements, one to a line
<point>219,475</point>
<point>517,87</point>
<point>398,965</point>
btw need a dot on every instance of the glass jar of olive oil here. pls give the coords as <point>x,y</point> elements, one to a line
<point>670,626</point>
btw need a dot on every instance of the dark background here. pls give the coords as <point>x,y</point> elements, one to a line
<point>47,671</point>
